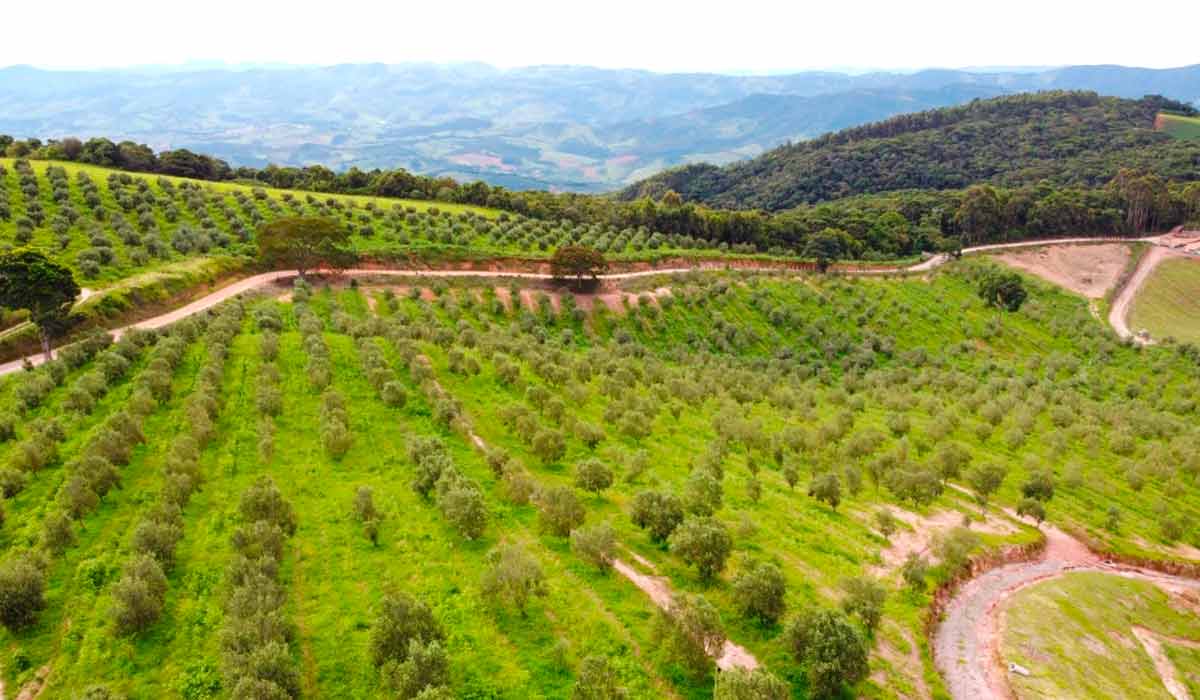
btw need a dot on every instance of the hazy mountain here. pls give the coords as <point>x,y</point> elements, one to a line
<point>545,126</point>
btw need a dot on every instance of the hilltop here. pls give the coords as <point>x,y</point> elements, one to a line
<point>1077,139</point>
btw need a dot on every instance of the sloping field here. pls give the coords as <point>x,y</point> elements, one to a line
<point>477,424</point>
<point>1178,126</point>
<point>1093,635</point>
<point>1168,304</point>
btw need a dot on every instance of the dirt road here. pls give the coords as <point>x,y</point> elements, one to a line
<point>1118,315</point>
<point>967,642</point>
<point>266,278</point>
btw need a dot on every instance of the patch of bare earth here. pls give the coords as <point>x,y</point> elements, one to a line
<point>922,530</point>
<point>729,656</point>
<point>1090,270</point>
<point>1152,643</point>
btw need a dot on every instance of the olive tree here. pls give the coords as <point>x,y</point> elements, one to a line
<point>703,542</point>
<point>690,631</point>
<point>743,684</point>
<point>513,576</point>
<point>760,590</point>
<point>660,512</point>
<point>832,650</point>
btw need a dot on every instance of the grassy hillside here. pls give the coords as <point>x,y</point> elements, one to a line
<point>745,383</point>
<point>1179,126</point>
<point>1064,138</point>
<point>1168,304</point>
<point>1076,635</point>
<point>110,225</point>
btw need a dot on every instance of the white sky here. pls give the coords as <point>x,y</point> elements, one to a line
<point>660,35</point>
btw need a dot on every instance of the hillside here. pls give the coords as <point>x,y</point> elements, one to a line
<point>1179,126</point>
<point>135,486</point>
<point>541,127</point>
<point>1061,138</point>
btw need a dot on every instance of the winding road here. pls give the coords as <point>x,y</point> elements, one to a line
<point>266,278</point>
<point>966,645</point>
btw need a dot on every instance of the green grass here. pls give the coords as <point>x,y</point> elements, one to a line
<point>1168,304</point>
<point>1179,126</point>
<point>755,362</point>
<point>1074,634</point>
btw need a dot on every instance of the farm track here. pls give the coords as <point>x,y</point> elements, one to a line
<point>967,641</point>
<point>261,280</point>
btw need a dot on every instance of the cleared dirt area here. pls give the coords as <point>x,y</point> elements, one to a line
<point>1090,270</point>
<point>922,531</point>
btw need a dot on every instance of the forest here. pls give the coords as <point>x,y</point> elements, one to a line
<point>1064,139</point>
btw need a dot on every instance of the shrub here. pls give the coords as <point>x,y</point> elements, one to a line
<point>400,621</point>
<point>512,576</point>
<point>826,487</point>
<point>864,598</point>
<point>703,542</point>
<point>886,523</point>
<point>158,539</point>
<point>263,501</point>
<point>690,631</point>
<point>759,590</point>
<point>831,649</point>
<point>364,504</point>
<point>659,512</point>
<point>394,394</point>
<point>425,669</point>
<point>560,510</point>
<point>758,684</point>
<point>595,545</point>
<point>58,533</point>
<point>914,570</point>
<point>592,475</point>
<point>597,680</point>
<point>22,590</point>
<point>139,595</point>
<point>702,492</point>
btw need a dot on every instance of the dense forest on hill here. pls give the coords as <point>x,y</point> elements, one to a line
<point>1062,138</point>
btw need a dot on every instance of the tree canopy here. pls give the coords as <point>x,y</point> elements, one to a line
<point>29,280</point>
<point>578,262</point>
<point>305,243</point>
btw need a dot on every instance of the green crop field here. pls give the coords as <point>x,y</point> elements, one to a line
<point>1180,126</point>
<point>734,393</point>
<point>109,225</point>
<point>1168,304</point>
<point>1075,634</point>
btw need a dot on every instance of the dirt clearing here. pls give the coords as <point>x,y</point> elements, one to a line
<point>1090,270</point>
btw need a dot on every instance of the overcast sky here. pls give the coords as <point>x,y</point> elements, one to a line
<point>727,36</point>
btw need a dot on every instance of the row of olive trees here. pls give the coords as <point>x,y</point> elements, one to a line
<point>140,594</point>
<point>89,477</point>
<point>256,660</point>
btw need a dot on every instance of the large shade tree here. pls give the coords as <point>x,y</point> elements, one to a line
<point>578,262</point>
<point>29,280</point>
<point>305,243</point>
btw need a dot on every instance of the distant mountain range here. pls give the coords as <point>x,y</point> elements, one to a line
<point>546,127</point>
